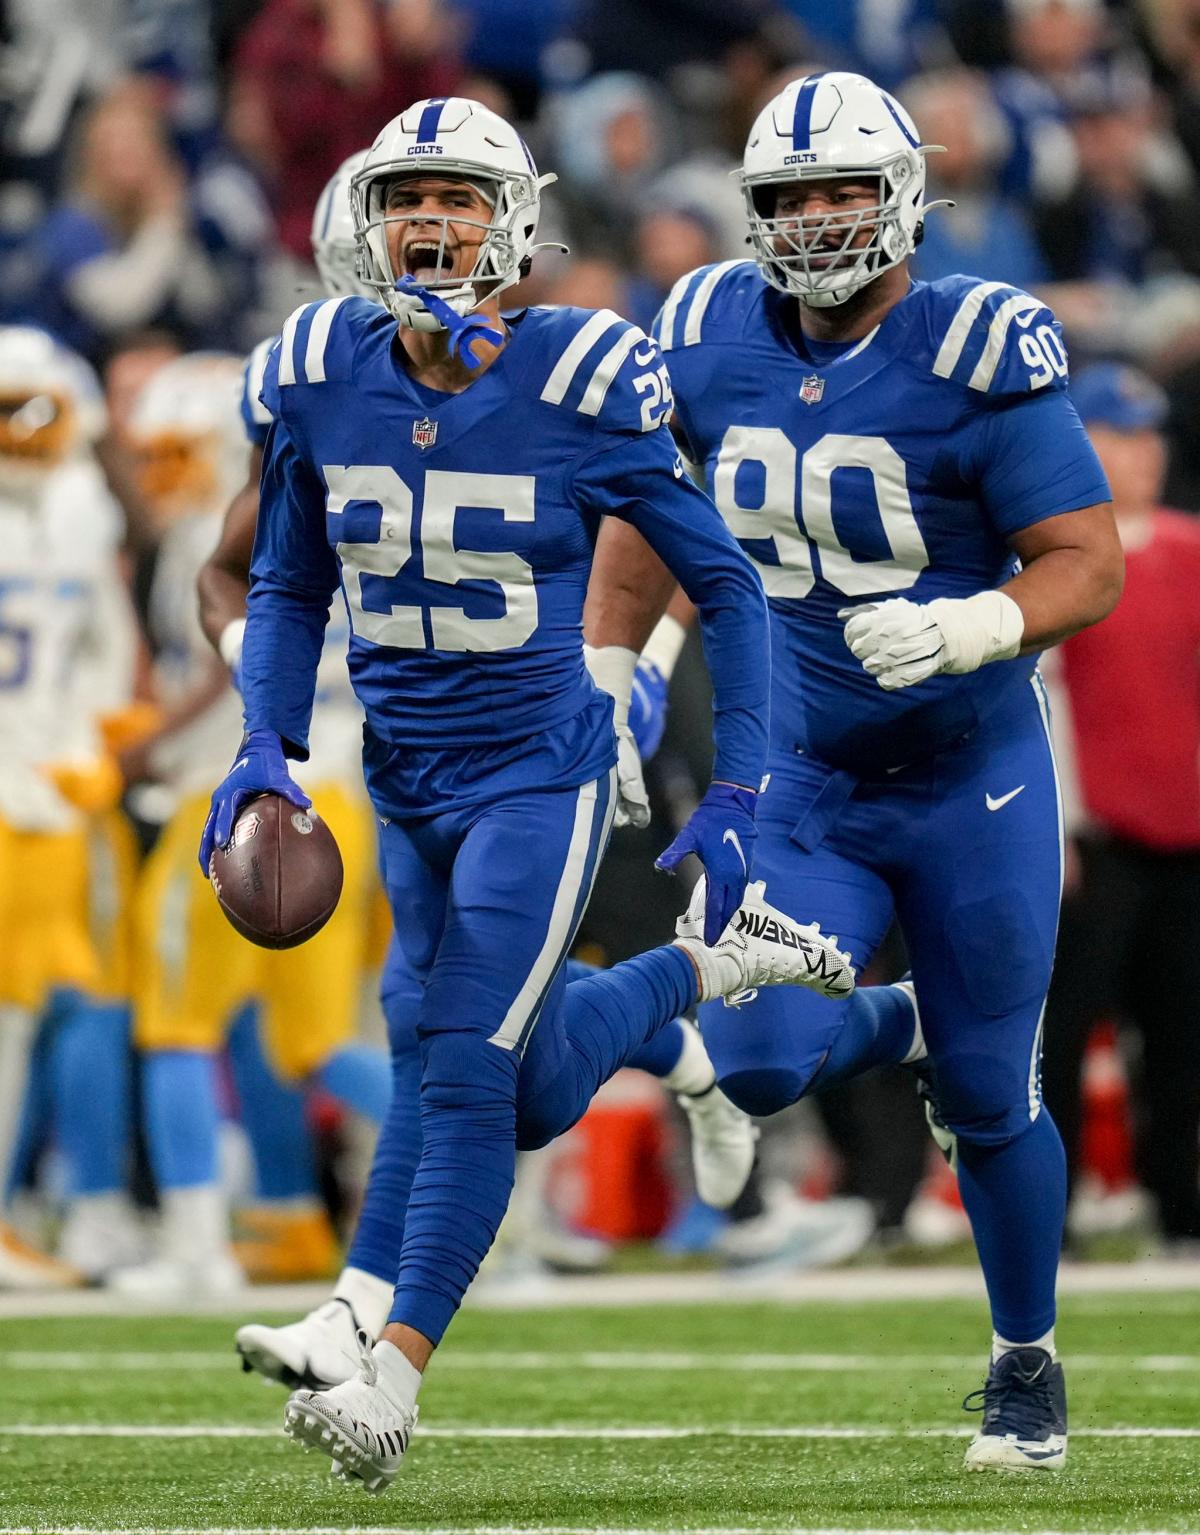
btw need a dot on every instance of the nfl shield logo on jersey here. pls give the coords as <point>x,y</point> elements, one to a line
<point>811,389</point>
<point>425,433</point>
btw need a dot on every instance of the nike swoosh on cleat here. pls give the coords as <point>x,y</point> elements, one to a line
<point>1038,1454</point>
<point>999,804</point>
<point>732,837</point>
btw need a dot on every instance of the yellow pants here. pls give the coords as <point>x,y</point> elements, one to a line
<point>45,918</point>
<point>194,970</point>
<point>113,859</point>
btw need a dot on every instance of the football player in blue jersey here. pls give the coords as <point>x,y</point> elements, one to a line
<point>903,464</point>
<point>449,469</point>
<point>321,1348</point>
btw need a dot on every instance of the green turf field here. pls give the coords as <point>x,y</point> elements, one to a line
<point>823,1417</point>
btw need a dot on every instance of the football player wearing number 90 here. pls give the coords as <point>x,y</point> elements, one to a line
<point>449,468</point>
<point>903,464</point>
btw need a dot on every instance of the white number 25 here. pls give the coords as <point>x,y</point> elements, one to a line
<point>445,493</point>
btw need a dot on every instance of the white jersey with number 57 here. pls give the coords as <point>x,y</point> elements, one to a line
<point>898,465</point>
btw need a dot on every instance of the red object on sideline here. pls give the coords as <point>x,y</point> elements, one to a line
<point>1134,686</point>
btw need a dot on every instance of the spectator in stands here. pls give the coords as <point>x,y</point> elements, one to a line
<point>314,80</point>
<point>1051,41</point>
<point>1133,885</point>
<point>984,233</point>
<point>1132,213</point>
<point>120,251</point>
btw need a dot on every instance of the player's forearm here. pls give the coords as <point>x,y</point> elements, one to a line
<point>734,630</point>
<point>224,580</point>
<point>629,589</point>
<point>281,650</point>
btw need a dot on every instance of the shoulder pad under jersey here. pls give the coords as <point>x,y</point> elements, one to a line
<point>318,343</point>
<point>605,368</point>
<point>708,304</point>
<point>993,339</point>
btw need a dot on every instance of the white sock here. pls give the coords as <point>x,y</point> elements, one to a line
<point>693,1071</point>
<point>1004,1346</point>
<point>400,1380</point>
<point>718,973</point>
<point>368,1296</point>
<point>195,1223</point>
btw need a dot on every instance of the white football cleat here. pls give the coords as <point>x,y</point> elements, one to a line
<point>169,1279</point>
<point>723,1145</point>
<point>363,1430</point>
<point>319,1351</point>
<point>796,1233</point>
<point>762,946</point>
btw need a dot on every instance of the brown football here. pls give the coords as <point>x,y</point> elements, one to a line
<point>280,878</point>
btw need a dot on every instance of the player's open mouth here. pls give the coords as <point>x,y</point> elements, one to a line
<point>427,262</point>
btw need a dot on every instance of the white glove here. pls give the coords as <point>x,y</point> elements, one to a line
<point>901,643</point>
<point>612,668</point>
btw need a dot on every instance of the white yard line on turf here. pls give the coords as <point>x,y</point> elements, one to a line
<point>555,1431</point>
<point>132,1361</point>
<point>850,1285</point>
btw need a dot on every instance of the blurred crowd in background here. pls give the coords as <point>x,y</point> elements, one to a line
<point>161,160</point>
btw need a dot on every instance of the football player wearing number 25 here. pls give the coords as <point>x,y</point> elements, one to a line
<point>449,468</point>
<point>902,462</point>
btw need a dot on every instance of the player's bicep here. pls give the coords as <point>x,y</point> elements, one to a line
<point>1033,460</point>
<point>291,550</point>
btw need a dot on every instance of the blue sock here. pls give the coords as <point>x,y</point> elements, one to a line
<point>360,1077</point>
<point>92,1091</point>
<point>877,1031</point>
<point>660,1054</point>
<point>273,1116</point>
<point>379,1235</point>
<point>611,1019</point>
<point>179,1089</point>
<point>1016,1197</point>
<point>470,1127</point>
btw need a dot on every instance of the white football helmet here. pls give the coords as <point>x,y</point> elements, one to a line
<point>187,437</point>
<point>823,125</point>
<point>461,140</point>
<point>51,406</point>
<point>335,250</point>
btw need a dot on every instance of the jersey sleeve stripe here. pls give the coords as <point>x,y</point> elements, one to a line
<point>704,293</point>
<point>1012,309</point>
<point>256,369</point>
<point>951,349</point>
<point>666,323</point>
<point>318,339</point>
<point>607,369</point>
<point>582,342</point>
<point>287,348</point>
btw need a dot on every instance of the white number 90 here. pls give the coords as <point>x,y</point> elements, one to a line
<point>1045,355</point>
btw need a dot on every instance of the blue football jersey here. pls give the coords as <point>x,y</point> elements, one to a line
<point>898,466</point>
<point>461,528</point>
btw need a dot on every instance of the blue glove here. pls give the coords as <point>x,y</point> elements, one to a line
<point>260,768</point>
<point>648,709</point>
<point>721,833</point>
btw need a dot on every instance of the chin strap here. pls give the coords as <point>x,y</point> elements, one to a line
<point>464,330</point>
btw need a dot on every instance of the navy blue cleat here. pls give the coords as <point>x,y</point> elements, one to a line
<point>1024,1406</point>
